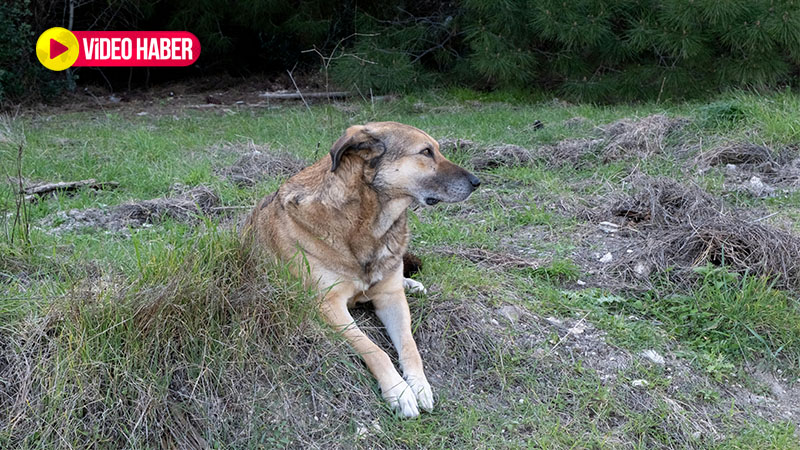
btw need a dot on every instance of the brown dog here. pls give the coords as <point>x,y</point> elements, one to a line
<point>341,225</point>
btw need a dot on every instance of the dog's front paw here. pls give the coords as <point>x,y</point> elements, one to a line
<point>402,399</point>
<point>419,384</point>
<point>413,286</point>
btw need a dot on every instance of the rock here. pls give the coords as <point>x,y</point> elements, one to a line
<point>642,269</point>
<point>654,357</point>
<point>578,328</point>
<point>510,312</point>
<point>640,383</point>
<point>553,321</point>
<point>607,258</point>
<point>756,187</point>
<point>608,227</point>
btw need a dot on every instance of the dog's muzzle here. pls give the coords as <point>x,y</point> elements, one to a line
<point>450,189</point>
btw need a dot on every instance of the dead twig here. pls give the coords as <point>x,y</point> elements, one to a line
<point>32,193</point>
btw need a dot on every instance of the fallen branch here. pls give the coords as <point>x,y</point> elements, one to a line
<point>301,96</point>
<point>34,192</point>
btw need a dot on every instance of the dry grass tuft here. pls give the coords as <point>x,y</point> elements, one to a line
<point>753,168</point>
<point>222,348</point>
<point>259,163</point>
<point>734,153</point>
<point>502,156</point>
<point>683,227</point>
<point>184,204</point>
<point>642,138</point>
<point>569,152</point>
<point>450,146</point>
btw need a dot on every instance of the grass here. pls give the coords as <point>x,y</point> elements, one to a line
<point>171,335</point>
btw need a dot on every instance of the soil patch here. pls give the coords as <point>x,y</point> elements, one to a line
<point>490,259</point>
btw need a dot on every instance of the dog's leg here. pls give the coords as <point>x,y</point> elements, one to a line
<point>391,307</point>
<point>395,390</point>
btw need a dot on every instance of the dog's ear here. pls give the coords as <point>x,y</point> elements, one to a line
<point>356,137</point>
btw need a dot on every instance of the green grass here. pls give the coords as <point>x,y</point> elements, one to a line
<point>171,335</point>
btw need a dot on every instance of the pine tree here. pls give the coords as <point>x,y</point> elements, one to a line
<point>600,49</point>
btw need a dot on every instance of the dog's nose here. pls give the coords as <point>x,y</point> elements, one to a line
<point>475,181</point>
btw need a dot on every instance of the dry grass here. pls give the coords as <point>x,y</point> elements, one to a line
<point>258,163</point>
<point>682,227</point>
<point>489,259</point>
<point>504,155</point>
<point>753,168</point>
<point>734,153</point>
<point>184,204</point>
<point>641,138</point>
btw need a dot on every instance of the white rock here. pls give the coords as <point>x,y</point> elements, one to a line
<point>608,227</point>
<point>642,269</point>
<point>639,383</point>
<point>607,258</point>
<point>757,187</point>
<point>553,321</point>
<point>578,328</point>
<point>654,357</point>
<point>510,312</point>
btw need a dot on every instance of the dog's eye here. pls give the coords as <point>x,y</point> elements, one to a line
<point>427,152</point>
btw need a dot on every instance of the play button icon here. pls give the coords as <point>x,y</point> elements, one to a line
<point>57,48</point>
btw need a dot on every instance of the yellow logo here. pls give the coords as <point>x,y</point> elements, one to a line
<point>57,49</point>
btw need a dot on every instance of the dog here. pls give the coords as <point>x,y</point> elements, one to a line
<point>341,225</point>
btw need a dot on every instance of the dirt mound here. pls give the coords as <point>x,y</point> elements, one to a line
<point>569,152</point>
<point>752,168</point>
<point>503,155</point>
<point>734,153</point>
<point>678,227</point>
<point>450,146</point>
<point>642,137</point>
<point>663,202</point>
<point>486,157</point>
<point>619,140</point>
<point>260,163</point>
<point>184,204</point>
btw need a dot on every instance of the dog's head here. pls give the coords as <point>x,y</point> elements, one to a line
<point>404,161</point>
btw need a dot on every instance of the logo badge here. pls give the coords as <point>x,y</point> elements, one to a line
<point>57,49</point>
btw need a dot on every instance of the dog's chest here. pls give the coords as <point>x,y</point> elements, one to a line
<point>380,259</point>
